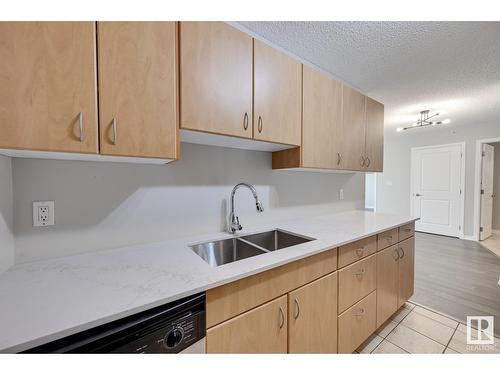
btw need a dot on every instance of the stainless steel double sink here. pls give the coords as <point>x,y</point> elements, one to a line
<point>230,250</point>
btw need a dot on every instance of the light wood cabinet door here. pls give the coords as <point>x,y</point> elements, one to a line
<point>387,283</point>
<point>322,116</point>
<point>357,323</point>
<point>277,96</point>
<point>138,89</point>
<point>356,281</point>
<point>48,97</point>
<point>406,270</point>
<point>261,330</point>
<point>215,78</point>
<point>312,317</point>
<point>353,129</point>
<point>374,147</point>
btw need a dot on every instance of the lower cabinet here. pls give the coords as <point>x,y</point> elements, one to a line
<point>387,283</point>
<point>406,249</point>
<point>395,278</point>
<point>261,330</point>
<point>312,317</point>
<point>357,323</point>
<point>309,306</point>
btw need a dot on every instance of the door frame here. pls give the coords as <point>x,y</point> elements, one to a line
<point>462,180</point>
<point>477,183</point>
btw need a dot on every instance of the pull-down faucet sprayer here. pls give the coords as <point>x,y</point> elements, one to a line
<point>234,222</point>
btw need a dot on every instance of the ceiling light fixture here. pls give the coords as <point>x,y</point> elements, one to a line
<point>424,120</point>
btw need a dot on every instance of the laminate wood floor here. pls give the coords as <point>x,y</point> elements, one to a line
<point>456,277</point>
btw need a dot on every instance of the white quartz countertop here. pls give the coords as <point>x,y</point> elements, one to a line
<point>44,301</point>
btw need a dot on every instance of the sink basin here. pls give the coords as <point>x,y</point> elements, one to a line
<point>217,253</point>
<point>221,252</point>
<point>276,239</point>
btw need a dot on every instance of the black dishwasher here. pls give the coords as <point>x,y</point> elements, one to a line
<point>169,328</point>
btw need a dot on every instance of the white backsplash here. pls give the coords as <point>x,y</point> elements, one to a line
<point>104,205</point>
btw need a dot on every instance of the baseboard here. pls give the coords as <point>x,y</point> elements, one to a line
<point>469,238</point>
<point>495,231</point>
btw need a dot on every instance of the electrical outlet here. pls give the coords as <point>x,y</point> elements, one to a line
<point>341,194</point>
<point>43,214</point>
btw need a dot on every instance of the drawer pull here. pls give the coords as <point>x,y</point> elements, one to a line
<point>360,251</point>
<point>339,158</point>
<point>388,238</point>
<point>361,312</point>
<point>362,161</point>
<point>282,318</point>
<point>406,230</point>
<point>297,309</point>
<point>360,273</point>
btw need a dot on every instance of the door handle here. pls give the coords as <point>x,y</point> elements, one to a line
<point>418,195</point>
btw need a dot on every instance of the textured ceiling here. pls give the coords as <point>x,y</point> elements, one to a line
<point>450,67</point>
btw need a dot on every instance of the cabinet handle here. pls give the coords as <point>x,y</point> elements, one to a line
<point>360,251</point>
<point>297,309</point>
<point>402,251</point>
<point>259,124</point>
<point>339,158</point>
<point>388,238</point>
<point>115,134</point>
<point>368,162</point>
<point>282,318</point>
<point>361,312</point>
<point>80,123</point>
<point>360,273</point>
<point>362,161</point>
<point>406,230</point>
<point>397,255</point>
<point>245,121</point>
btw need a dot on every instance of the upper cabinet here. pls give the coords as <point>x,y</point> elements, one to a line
<point>48,86</point>
<point>374,148</point>
<point>352,147</point>
<point>216,79</point>
<point>277,96</point>
<point>138,89</point>
<point>322,117</point>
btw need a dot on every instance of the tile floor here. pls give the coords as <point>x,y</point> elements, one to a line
<point>416,329</point>
<point>492,243</point>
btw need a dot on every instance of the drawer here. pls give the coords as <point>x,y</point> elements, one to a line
<point>406,231</point>
<point>387,238</point>
<point>357,250</point>
<point>357,281</point>
<point>357,324</point>
<point>229,300</point>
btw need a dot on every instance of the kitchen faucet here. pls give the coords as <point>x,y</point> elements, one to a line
<point>233,219</point>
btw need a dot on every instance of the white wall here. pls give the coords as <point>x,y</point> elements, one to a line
<point>103,205</point>
<point>6,215</point>
<point>393,185</point>
<point>370,191</point>
<point>496,188</point>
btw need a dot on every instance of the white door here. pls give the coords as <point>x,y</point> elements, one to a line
<point>487,164</point>
<point>436,189</point>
